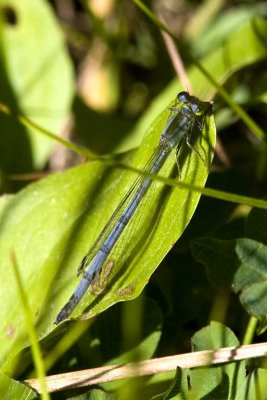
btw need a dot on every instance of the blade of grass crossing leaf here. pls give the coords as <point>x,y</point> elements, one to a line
<point>36,351</point>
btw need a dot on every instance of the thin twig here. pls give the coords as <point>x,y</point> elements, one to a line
<point>177,61</point>
<point>150,367</point>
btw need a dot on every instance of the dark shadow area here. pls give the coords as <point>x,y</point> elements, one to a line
<point>100,132</point>
<point>15,148</point>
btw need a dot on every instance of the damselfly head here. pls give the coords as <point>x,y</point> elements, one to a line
<point>196,105</point>
<point>183,97</point>
<point>188,100</point>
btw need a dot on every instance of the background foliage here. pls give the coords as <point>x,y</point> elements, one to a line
<point>100,75</point>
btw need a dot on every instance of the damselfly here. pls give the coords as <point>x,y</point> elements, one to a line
<point>189,113</point>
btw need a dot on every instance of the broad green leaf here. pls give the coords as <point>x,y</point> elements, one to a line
<point>11,389</point>
<point>222,381</point>
<point>214,336</point>
<point>36,79</point>
<point>51,224</point>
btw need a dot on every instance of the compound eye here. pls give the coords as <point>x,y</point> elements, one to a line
<point>195,107</point>
<point>183,97</point>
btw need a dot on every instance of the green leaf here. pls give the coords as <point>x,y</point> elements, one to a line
<point>35,78</point>
<point>216,382</point>
<point>219,259</point>
<point>226,24</point>
<point>52,223</point>
<point>11,389</point>
<point>251,277</point>
<point>95,394</point>
<point>177,388</point>
<point>240,264</point>
<point>253,263</point>
<point>254,387</point>
<point>214,336</point>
